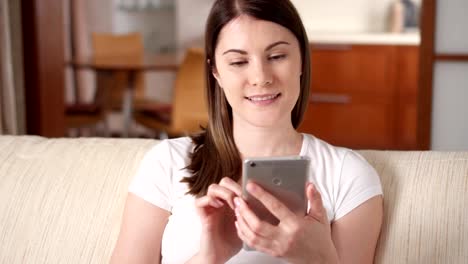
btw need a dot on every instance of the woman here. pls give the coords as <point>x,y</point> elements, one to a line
<point>185,202</point>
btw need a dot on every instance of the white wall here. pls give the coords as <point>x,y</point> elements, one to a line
<point>157,27</point>
<point>341,15</point>
<point>190,21</point>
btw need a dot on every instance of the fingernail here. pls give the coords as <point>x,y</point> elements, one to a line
<point>237,201</point>
<point>236,224</point>
<point>236,211</point>
<point>251,188</point>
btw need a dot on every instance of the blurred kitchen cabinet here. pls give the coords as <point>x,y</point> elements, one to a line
<point>407,89</point>
<point>363,96</point>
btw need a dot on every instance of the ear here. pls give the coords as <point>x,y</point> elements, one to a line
<point>215,73</point>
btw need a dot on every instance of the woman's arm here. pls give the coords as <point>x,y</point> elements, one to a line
<point>141,232</point>
<point>355,235</point>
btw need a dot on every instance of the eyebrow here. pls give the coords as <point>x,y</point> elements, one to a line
<point>269,47</point>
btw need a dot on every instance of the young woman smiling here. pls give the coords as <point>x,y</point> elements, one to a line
<point>185,204</point>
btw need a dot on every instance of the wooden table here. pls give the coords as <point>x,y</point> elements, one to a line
<point>132,66</point>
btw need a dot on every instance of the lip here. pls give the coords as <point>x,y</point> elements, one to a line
<point>263,99</point>
<point>262,95</point>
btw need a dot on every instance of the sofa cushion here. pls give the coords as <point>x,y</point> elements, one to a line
<point>61,200</point>
<point>425,206</point>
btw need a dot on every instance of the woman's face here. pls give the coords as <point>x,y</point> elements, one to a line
<point>258,65</point>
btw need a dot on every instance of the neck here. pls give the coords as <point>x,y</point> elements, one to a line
<point>255,141</point>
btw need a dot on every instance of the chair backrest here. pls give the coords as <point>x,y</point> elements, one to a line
<point>189,103</point>
<point>108,45</point>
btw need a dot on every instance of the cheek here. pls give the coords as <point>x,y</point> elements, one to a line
<point>221,76</point>
<point>291,80</point>
<point>231,84</point>
<point>290,69</point>
<point>230,81</point>
<point>290,76</point>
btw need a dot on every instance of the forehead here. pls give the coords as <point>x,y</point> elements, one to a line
<point>245,32</point>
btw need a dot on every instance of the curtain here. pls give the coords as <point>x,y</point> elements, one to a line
<point>12,107</point>
<point>81,83</point>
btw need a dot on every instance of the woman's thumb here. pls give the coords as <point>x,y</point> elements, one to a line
<point>316,210</point>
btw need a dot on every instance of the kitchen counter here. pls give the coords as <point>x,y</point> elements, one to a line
<point>318,37</point>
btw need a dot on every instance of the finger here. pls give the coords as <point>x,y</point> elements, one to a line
<point>252,239</point>
<point>222,193</point>
<point>231,185</point>
<point>254,223</point>
<point>276,207</point>
<point>208,201</point>
<point>206,205</point>
<point>264,245</point>
<point>316,210</point>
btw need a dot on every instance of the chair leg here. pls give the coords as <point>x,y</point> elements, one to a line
<point>94,131</point>
<point>80,132</point>
<point>106,129</point>
<point>152,134</point>
<point>86,131</point>
<point>102,129</point>
<point>72,132</point>
<point>163,135</point>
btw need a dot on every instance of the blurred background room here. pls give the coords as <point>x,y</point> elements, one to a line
<point>389,74</point>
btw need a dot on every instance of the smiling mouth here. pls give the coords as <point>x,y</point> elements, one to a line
<point>262,98</point>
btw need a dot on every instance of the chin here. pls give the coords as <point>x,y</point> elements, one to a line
<point>264,121</point>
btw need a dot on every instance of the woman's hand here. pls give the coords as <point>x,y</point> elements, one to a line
<point>298,239</point>
<point>219,240</point>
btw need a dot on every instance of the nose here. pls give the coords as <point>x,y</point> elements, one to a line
<point>260,74</point>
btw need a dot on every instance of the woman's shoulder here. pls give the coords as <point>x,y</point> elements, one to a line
<point>157,179</point>
<point>343,176</point>
<point>334,157</point>
<point>318,148</point>
<point>171,149</point>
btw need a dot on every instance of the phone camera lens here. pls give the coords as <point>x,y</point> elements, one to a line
<point>276,181</point>
<point>252,164</point>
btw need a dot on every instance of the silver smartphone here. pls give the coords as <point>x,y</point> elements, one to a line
<point>283,177</point>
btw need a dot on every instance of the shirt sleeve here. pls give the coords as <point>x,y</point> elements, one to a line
<point>358,182</point>
<point>152,181</point>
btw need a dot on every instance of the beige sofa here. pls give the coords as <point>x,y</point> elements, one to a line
<point>61,200</point>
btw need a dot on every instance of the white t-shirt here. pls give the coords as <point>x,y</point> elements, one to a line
<point>344,179</point>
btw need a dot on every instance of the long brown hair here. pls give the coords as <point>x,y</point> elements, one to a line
<point>215,155</point>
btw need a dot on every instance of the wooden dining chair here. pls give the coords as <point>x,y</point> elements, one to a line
<point>109,45</point>
<point>91,115</point>
<point>110,87</point>
<point>188,109</point>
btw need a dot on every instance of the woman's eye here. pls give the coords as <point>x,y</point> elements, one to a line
<point>238,63</point>
<point>277,57</point>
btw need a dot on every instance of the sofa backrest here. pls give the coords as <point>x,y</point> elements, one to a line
<point>425,206</point>
<point>61,200</point>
